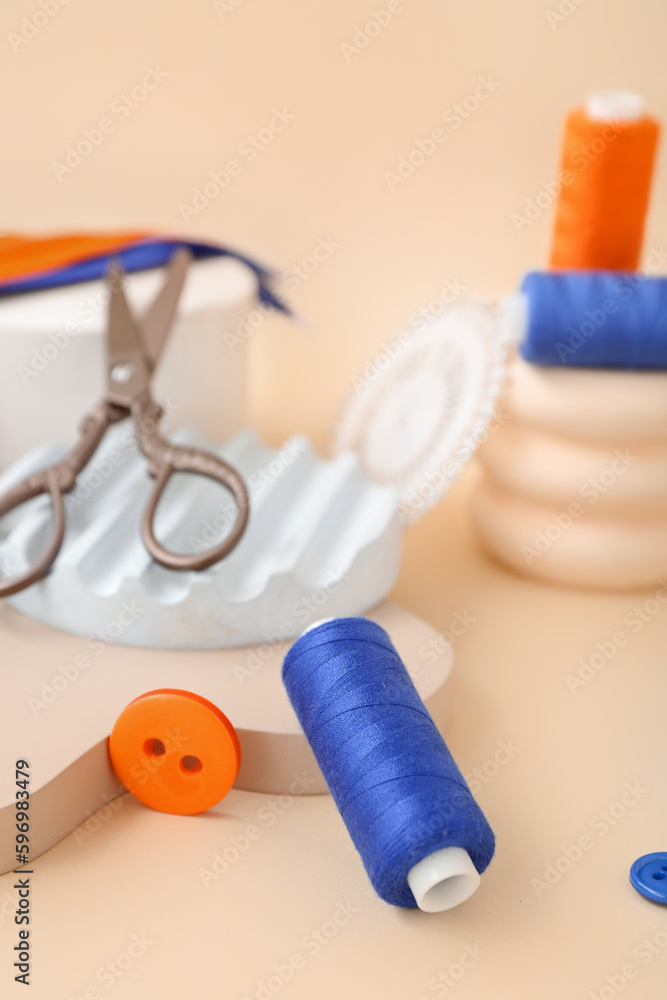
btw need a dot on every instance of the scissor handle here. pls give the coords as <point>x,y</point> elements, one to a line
<point>56,480</point>
<point>164,459</point>
<point>46,481</point>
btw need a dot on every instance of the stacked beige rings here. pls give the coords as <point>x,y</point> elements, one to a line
<point>574,483</point>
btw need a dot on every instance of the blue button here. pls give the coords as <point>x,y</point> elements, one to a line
<point>649,876</point>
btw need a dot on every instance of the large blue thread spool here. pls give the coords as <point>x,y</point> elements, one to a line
<point>599,319</point>
<point>422,837</point>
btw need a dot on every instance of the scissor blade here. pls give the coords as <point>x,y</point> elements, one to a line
<point>159,316</point>
<point>127,373</point>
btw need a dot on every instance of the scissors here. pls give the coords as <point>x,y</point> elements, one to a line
<point>132,352</point>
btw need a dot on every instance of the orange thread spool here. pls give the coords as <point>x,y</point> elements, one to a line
<point>606,170</point>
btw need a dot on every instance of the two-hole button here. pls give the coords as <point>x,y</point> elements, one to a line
<point>175,751</point>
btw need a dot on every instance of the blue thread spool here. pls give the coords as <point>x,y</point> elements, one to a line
<point>598,319</point>
<point>421,836</point>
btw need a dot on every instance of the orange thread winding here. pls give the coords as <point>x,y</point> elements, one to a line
<point>606,172</point>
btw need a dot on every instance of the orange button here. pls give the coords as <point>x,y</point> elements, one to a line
<point>175,751</point>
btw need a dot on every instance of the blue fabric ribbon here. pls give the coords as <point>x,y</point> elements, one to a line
<point>140,256</point>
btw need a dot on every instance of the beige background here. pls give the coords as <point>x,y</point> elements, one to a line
<point>324,176</point>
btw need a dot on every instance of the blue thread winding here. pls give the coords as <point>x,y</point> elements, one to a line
<point>400,793</point>
<point>600,319</point>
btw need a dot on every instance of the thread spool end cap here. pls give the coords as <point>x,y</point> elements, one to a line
<point>514,317</point>
<point>313,625</point>
<point>443,879</point>
<point>615,105</point>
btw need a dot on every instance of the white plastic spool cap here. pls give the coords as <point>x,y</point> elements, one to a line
<point>514,317</point>
<point>320,621</point>
<point>443,879</point>
<point>615,105</point>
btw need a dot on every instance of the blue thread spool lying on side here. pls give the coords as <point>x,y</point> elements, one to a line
<point>596,319</point>
<point>422,837</point>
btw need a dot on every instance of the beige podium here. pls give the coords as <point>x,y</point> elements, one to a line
<point>62,715</point>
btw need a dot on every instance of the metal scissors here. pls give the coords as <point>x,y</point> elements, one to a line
<point>133,350</point>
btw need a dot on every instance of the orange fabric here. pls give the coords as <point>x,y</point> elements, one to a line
<point>605,175</point>
<point>175,751</point>
<point>23,255</point>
